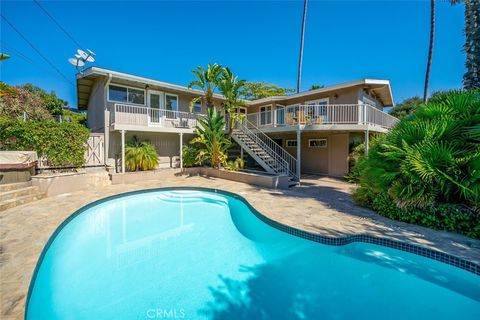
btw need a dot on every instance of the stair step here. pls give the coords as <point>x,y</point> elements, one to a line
<point>11,203</point>
<point>15,193</point>
<point>13,186</point>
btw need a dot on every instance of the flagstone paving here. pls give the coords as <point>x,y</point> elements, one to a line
<point>321,205</point>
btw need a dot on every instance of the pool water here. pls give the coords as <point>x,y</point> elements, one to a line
<point>188,254</point>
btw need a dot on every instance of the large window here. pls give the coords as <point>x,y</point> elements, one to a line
<point>197,107</point>
<point>266,115</point>
<point>125,94</point>
<point>171,102</point>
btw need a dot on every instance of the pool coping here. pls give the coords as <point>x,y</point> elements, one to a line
<point>327,240</point>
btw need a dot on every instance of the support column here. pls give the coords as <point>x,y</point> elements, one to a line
<point>241,152</point>
<point>123,151</point>
<point>367,141</point>
<point>181,150</point>
<point>299,153</point>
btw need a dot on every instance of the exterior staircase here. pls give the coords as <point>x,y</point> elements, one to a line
<point>15,194</point>
<point>271,156</point>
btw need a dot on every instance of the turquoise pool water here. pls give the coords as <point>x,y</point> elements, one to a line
<point>187,254</point>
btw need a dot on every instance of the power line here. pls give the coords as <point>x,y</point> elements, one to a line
<point>17,53</point>
<point>36,50</point>
<point>58,24</point>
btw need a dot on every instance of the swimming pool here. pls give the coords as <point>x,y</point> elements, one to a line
<point>192,254</point>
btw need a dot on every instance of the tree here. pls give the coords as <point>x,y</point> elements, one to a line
<point>52,103</point>
<point>231,89</point>
<point>471,79</point>
<point>302,37</point>
<point>316,86</point>
<point>259,90</point>
<point>14,102</point>
<point>430,50</point>
<point>406,107</point>
<point>211,138</point>
<point>207,81</point>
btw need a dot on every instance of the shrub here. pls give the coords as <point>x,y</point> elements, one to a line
<point>236,165</point>
<point>190,154</point>
<point>140,155</point>
<point>63,144</point>
<point>427,169</point>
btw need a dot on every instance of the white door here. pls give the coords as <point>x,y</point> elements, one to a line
<point>155,102</point>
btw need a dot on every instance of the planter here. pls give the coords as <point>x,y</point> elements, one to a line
<point>257,179</point>
<point>132,177</point>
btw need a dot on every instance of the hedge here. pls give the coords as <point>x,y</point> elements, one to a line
<point>63,144</point>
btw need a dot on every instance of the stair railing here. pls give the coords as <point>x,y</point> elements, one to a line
<point>281,157</point>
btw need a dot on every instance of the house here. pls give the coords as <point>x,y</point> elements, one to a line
<point>308,132</point>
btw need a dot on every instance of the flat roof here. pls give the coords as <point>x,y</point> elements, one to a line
<point>381,87</point>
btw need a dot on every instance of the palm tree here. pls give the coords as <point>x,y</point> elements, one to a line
<point>232,89</point>
<point>471,78</point>
<point>207,81</point>
<point>302,36</point>
<point>211,137</point>
<point>430,49</point>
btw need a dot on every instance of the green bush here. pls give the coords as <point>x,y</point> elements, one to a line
<point>427,169</point>
<point>190,153</point>
<point>140,155</point>
<point>62,143</point>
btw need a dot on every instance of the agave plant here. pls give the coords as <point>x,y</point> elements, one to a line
<point>430,157</point>
<point>140,155</point>
<point>232,88</point>
<point>210,135</point>
<point>206,80</point>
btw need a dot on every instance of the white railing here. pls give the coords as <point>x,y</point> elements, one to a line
<point>152,117</point>
<point>283,162</point>
<point>327,114</point>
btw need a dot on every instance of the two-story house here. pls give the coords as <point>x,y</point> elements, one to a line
<point>308,132</point>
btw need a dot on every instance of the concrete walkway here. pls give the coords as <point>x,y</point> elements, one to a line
<point>321,205</point>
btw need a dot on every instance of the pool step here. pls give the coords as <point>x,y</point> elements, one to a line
<point>17,194</point>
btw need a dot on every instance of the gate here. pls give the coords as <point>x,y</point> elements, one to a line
<point>95,153</point>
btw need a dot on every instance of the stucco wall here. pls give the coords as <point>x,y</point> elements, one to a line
<point>346,96</point>
<point>331,160</point>
<point>96,106</point>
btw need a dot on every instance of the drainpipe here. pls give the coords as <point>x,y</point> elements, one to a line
<point>106,121</point>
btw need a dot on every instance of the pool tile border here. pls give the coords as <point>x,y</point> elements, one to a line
<point>333,241</point>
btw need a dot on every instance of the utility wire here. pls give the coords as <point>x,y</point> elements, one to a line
<point>58,24</point>
<point>36,50</point>
<point>17,53</point>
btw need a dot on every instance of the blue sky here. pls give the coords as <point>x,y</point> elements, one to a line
<point>258,40</point>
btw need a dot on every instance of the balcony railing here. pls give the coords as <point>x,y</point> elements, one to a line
<point>151,117</point>
<point>329,114</point>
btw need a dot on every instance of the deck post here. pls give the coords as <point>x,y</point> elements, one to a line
<point>367,140</point>
<point>241,152</point>
<point>299,153</point>
<point>181,150</point>
<point>123,151</point>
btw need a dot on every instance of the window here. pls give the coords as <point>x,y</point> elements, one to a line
<point>317,143</point>
<point>197,107</point>
<point>171,102</point>
<point>126,94</point>
<point>291,143</point>
<point>266,115</point>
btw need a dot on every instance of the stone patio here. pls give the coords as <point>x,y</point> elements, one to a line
<point>321,205</point>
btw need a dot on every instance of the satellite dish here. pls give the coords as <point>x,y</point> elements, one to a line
<point>86,56</point>
<point>76,62</point>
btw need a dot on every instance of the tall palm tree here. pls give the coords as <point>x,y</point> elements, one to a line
<point>232,89</point>
<point>471,78</point>
<point>302,37</point>
<point>430,49</point>
<point>207,81</point>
